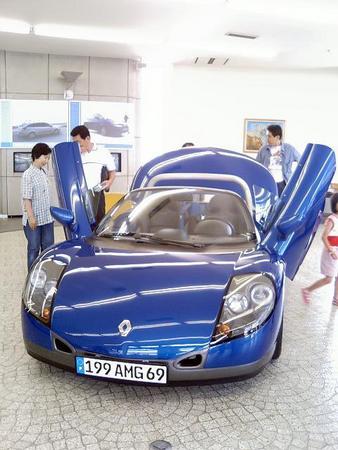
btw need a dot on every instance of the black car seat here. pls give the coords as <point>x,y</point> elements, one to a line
<point>166,217</point>
<point>213,228</point>
<point>227,209</point>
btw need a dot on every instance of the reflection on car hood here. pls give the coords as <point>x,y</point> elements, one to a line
<point>171,298</point>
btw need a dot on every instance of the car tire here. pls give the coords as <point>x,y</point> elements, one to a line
<point>31,135</point>
<point>278,349</point>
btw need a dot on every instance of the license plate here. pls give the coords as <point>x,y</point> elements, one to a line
<point>118,370</point>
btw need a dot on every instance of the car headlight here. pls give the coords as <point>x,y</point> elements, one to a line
<point>248,303</point>
<point>41,287</point>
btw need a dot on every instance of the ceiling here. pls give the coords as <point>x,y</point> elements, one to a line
<point>291,33</point>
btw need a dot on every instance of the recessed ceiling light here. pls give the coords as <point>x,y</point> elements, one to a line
<point>14,26</point>
<point>100,34</point>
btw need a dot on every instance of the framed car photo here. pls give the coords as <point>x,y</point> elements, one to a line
<point>255,133</point>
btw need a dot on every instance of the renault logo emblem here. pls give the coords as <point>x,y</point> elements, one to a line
<point>125,328</point>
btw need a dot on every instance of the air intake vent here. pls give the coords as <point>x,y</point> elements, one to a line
<point>191,361</point>
<point>241,35</point>
<point>62,347</point>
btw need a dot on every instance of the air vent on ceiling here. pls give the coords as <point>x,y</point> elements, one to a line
<point>201,61</point>
<point>241,35</point>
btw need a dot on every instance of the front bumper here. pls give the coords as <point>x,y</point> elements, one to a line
<point>224,361</point>
<point>67,361</point>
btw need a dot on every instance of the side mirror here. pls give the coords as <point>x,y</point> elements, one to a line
<point>64,216</point>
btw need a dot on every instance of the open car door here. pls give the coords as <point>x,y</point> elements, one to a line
<point>77,212</point>
<point>296,215</point>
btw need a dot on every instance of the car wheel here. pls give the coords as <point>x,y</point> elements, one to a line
<point>104,131</point>
<point>278,349</point>
<point>32,135</point>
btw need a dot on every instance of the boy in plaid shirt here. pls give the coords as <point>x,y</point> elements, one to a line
<point>36,220</point>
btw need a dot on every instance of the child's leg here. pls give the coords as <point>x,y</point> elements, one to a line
<point>318,284</point>
<point>335,297</point>
<point>306,292</point>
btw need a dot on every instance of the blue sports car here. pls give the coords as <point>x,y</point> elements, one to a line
<point>184,278</point>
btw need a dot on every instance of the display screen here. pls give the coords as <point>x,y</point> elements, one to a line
<point>109,123</point>
<point>21,161</point>
<point>117,159</point>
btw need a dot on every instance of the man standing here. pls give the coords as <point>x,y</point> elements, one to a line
<point>93,161</point>
<point>37,221</point>
<point>278,157</point>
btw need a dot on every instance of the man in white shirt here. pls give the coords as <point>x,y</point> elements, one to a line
<point>94,160</point>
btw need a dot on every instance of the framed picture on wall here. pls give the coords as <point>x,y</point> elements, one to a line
<point>255,133</point>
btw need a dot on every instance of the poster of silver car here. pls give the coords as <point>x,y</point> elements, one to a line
<point>38,120</point>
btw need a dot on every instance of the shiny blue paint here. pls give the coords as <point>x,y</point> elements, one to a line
<point>35,331</point>
<point>181,307</point>
<point>297,213</point>
<point>64,216</point>
<point>246,349</point>
<point>72,188</point>
<point>173,298</point>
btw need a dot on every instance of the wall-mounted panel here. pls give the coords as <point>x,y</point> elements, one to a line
<point>58,63</point>
<point>120,185</point>
<point>27,73</point>
<point>133,84</point>
<point>107,98</point>
<point>14,206</point>
<point>12,96</point>
<point>61,97</point>
<point>2,72</point>
<point>3,196</point>
<point>108,77</point>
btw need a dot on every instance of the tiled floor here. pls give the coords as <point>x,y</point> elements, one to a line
<point>292,404</point>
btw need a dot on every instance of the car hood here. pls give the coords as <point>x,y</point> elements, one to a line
<point>171,298</point>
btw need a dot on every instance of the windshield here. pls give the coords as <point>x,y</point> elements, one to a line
<point>189,216</point>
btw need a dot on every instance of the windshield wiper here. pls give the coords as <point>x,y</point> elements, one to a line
<point>116,234</point>
<point>147,238</point>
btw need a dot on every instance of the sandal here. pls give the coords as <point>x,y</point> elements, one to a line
<point>335,301</point>
<point>306,296</point>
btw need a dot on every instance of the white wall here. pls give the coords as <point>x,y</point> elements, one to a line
<point>208,106</point>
